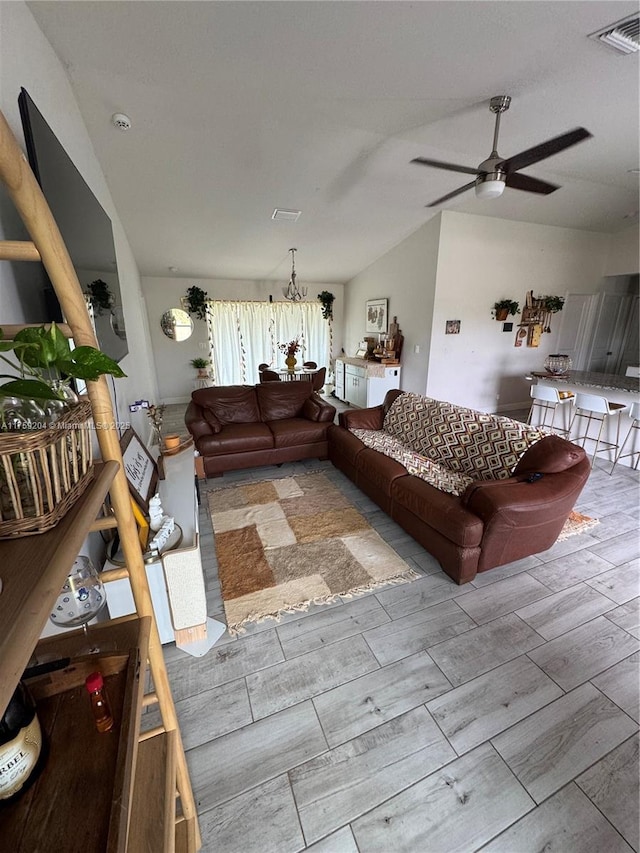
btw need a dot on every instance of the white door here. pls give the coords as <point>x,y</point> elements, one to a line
<point>576,317</point>
<point>608,332</point>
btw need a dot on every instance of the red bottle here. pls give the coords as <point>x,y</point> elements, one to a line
<point>99,702</point>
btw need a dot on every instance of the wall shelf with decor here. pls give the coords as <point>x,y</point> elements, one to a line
<point>93,793</point>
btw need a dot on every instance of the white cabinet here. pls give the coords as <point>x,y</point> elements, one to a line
<point>355,385</point>
<point>366,383</point>
<point>339,386</point>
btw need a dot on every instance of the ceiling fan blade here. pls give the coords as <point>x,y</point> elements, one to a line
<point>438,164</point>
<point>544,150</point>
<point>452,195</point>
<point>531,185</point>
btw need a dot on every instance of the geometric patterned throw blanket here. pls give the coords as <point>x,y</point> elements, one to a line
<point>286,543</point>
<point>436,475</point>
<point>463,441</point>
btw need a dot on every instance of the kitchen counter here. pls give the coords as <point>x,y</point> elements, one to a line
<point>586,378</point>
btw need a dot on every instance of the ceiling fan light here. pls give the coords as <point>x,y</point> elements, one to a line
<point>489,189</point>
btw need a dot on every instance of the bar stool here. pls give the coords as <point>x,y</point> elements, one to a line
<point>598,409</point>
<point>634,414</point>
<point>548,399</point>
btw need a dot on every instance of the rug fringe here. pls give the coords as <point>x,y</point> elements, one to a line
<point>303,606</point>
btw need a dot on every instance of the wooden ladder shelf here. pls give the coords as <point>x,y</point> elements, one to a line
<point>19,630</point>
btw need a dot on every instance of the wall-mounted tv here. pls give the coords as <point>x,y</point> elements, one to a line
<point>85,227</point>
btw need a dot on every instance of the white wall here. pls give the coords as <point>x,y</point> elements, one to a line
<point>406,275</point>
<point>27,59</point>
<point>175,374</point>
<point>624,252</point>
<point>454,268</point>
<point>481,261</point>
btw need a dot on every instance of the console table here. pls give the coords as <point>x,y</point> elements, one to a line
<point>176,580</point>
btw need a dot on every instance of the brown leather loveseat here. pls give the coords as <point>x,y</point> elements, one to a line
<point>240,426</point>
<point>487,490</point>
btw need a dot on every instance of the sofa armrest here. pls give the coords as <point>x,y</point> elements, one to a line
<point>543,497</point>
<point>195,422</point>
<point>317,409</point>
<point>372,418</point>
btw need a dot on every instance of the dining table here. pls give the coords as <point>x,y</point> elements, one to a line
<point>300,373</point>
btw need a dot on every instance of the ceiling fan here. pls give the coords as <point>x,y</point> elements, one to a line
<point>494,173</point>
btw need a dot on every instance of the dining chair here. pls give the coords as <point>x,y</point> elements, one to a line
<point>269,376</point>
<point>318,379</point>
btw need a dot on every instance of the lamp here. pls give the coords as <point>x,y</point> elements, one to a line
<point>292,292</point>
<point>490,185</point>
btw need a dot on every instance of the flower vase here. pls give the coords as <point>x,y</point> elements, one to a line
<point>291,362</point>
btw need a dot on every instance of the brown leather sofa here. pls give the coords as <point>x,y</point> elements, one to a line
<point>240,426</point>
<point>492,522</point>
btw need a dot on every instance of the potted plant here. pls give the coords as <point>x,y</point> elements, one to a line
<point>201,365</point>
<point>503,308</point>
<point>327,298</point>
<point>45,443</point>
<point>100,296</point>
<point>196,301</point>
<point>290,349</point>
<point>553,304</point>
<point>47,364</point>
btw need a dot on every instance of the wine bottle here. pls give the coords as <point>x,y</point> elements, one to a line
<point>21,753</point>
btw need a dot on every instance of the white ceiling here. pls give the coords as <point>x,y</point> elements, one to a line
<point>241,107</point>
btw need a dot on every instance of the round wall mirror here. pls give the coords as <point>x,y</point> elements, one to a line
<point>176,324</point>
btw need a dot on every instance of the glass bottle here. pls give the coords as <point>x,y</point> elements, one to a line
<point>99,702</point>
<point>21,753</point>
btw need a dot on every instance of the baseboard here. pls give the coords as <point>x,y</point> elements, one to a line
<point>514,407</point>
<point>170,401</point>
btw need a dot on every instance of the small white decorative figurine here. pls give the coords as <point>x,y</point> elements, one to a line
<point>156,513</point>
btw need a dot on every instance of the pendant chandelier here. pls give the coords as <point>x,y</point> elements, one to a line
<point>292,292</point>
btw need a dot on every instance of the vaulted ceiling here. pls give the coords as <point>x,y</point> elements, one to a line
<point>241,107</point>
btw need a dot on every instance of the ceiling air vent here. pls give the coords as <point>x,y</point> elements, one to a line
<point>283,215</point>
<point>622,36</point>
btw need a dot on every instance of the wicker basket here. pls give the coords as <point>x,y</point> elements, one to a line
<point>44,472</point>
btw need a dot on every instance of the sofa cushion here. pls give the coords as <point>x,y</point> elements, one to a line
<point>344,443</point>
<point>230,404</point>
<point>236,438</point>
<point>279,400</point>
<point>438,510</point>
<point>212,420</point>
<point>482,446</point>
<point>379,470</point>
<point>294,432</point>
<point>439,476</point>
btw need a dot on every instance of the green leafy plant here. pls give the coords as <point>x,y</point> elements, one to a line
<point>197,302</point>
<point>508,305</point>
<point>45,359</point>
<point>199,363</point>
<point>553,304</point>
<point>100,296</point>
<point>327,298</point>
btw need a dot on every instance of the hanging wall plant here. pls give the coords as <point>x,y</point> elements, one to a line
<point>504,307</point>
<point>326,298</point>
<point>101,297</point>
<point>197,302</point>
<point>553,304</point>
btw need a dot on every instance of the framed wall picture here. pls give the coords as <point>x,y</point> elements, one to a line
<point>377,316</point>
<point>140,468</point>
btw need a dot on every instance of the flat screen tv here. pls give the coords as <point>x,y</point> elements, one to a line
<point>85,227</point>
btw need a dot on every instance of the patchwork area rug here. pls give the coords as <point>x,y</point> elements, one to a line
<point>576,523</point>
<point>287,543</point>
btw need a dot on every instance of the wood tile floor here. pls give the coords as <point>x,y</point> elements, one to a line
<point>430,718</point>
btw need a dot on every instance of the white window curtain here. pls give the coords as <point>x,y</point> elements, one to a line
<point>243,335</point>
